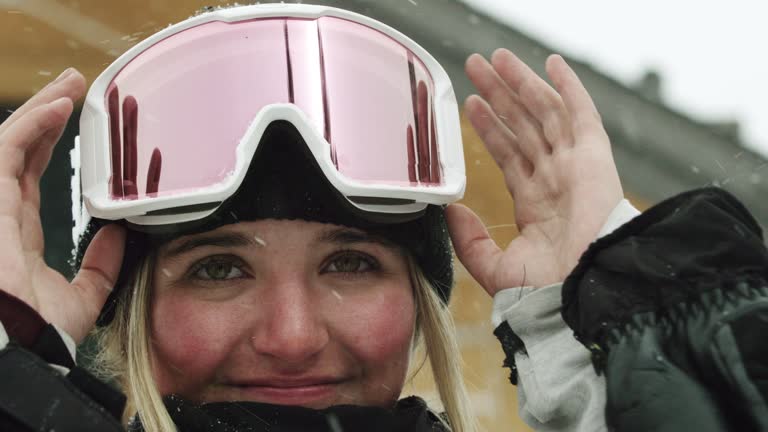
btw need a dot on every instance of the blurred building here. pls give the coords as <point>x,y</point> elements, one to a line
<point>659,151</point>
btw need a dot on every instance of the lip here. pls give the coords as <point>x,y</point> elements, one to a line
<point>304,391</point>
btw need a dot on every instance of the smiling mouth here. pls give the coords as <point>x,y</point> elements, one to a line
<point>317,394</point>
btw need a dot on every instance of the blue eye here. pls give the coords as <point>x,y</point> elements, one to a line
<point>218,269</point>
<point>351,262</point>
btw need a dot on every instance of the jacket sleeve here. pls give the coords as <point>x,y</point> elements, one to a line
<point>557,387</point>
<point>673,307</point>
<point>41,388</point>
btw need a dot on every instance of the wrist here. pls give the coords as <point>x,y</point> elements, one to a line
<point>22,323</point>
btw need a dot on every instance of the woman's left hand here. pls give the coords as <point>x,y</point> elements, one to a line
<point>557,164</point>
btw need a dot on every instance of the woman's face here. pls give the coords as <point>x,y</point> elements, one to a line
<point>282,312</point>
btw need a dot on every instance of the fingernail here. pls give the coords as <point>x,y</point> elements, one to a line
<point>67,72</point>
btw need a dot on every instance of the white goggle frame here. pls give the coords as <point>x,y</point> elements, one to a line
<point>94,161</point>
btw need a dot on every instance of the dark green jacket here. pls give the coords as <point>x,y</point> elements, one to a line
<point>674,308</point>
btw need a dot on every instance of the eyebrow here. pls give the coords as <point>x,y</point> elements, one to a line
<point>220,240</point>
<point>340,236</point>
<point>348,236</point>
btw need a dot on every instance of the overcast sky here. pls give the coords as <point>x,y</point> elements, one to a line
<point>711,55</point>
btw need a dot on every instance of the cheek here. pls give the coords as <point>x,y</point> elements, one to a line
<point>381,333</point>
<point>191,340</point>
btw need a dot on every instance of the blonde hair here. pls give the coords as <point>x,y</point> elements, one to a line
<point>435,329</point>
<point>124,352</point>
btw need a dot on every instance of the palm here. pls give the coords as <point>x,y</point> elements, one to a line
<point>557,165</point>
<point>27,139</point>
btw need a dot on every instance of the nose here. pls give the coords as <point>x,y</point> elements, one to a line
<point>292,327</point>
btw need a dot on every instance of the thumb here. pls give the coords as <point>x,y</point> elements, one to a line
<point>100,267</point>
<point>474,246</point>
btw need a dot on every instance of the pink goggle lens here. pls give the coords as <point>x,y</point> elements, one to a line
<point>179,109</point>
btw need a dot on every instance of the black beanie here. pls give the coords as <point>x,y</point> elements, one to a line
<point>284,182</point>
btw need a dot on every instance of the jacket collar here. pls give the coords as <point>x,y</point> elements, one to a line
<point>409,415</point>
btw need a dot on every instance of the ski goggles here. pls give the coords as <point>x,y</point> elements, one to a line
<point>168,131</point>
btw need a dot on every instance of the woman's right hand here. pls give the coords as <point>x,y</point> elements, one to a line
<point>27,139</point>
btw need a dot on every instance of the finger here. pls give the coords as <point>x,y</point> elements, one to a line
<point>31,227</point>
<point>499,140</point>
<point>584,118</point>
<point>70,84</point>
<point>538,97</point>
<point>422,130</point>
<point>21,202</point>
<point>101,267</point>
<point>473,245</point>
<point>40,154</point>
<point>25,133</point>
<point>410,146</point>
<point>505,102</point>
<point>130,148</point>
<point>36,161</point>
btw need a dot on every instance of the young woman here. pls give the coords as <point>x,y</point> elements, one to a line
<point>263,242</point>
